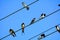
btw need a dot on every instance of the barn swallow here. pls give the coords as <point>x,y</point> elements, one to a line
<point>57,28</point>
<point>33,20</point>
<point>22,25</point>
<point>26,6</point>
<point>42,15</point>
<point>12,32</point>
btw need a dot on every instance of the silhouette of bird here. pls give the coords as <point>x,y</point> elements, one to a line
<point>22,25</point>
<point>32,21</point>
<point>25,5</point>
<point>12,32</point>
<point>42,15</point>
<point>57,28</point>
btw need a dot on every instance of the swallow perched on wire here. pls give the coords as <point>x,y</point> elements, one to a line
<point>12,32</point>
<point>57,28</point>
<point>41,36</point>
<point>26,6</point>
<point>22,25</point>
<point>42,15</point>
<point>32,21</point>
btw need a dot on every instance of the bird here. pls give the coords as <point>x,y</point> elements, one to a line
<point>26,6</point>
<point>57,28</point>
<point>22,25</point>
<point>42,35</point>
<point>12,32</point>
<point>42,15</point>
<point>32,21</point>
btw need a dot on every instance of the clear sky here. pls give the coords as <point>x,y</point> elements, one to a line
<point>36,9</point>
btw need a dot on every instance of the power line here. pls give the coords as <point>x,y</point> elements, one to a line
<point>49,34</point>
<point>40,19</point>
<point>31,24</point>
<point>5,36</point>
<point>40,33</point>
<point>43,32</point>
<point>17,11</point>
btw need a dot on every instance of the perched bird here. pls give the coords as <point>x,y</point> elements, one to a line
<point>57,28</point>
<point>26,6</point>
<point>41,36</point>
<point>42,16</point>
<point>12,32</point>
<point>22,25</point>
<point>33,20</point>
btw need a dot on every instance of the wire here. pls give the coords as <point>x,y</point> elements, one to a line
<point>12,14</point>
<point>42,32</point>
<point>17,11</point>
<point>31,24</point>
<point>41,19</point>
<point>5,37</point>
<point>49,34</point>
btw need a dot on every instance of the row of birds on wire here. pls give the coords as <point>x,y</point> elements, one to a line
<point>32,21</point>
<point>41,36</point>
<point>42,16</point>
<point>12,32</point>
<point>23,25</point>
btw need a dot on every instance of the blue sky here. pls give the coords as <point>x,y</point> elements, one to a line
<point>36,9</point>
